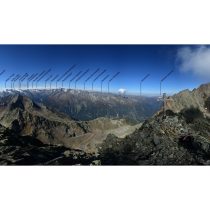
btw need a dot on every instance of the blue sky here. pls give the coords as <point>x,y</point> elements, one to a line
<point>133,62</point>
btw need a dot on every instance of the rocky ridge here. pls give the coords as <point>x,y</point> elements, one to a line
<point>174,139</point>
<point>27,150</point>
<point>197,98</point>
<point>22,115</point>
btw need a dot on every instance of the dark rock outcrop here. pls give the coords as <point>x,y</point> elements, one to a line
<point>27,150</point>
<point>162,140</point>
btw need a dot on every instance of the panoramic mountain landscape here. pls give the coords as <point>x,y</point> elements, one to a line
<point>38,131</point>
<point>24,117</point>
<point>105,105</point>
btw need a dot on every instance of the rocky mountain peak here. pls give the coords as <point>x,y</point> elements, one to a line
<point>205,88</point>
<point>22,102</point>
<point>197,98</point>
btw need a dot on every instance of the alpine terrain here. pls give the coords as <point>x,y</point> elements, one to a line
<point>77,127</point>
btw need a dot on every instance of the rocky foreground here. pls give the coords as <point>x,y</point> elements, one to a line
<point>26,150</point>
<point>174,139</point>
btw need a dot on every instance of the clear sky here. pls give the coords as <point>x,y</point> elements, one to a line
<point>132,61</point>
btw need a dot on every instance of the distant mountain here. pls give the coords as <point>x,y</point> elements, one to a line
<point>84,105</point>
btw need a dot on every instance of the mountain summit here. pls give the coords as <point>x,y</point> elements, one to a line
<point>197,98</point>
<point>23,103</point>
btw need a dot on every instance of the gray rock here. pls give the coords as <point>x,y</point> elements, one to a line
<point>156,140</point>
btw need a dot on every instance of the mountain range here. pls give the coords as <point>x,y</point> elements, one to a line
<point>84,105</point>
<point>98,128</point>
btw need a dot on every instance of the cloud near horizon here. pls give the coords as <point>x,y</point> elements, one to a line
<point>195,60</point>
